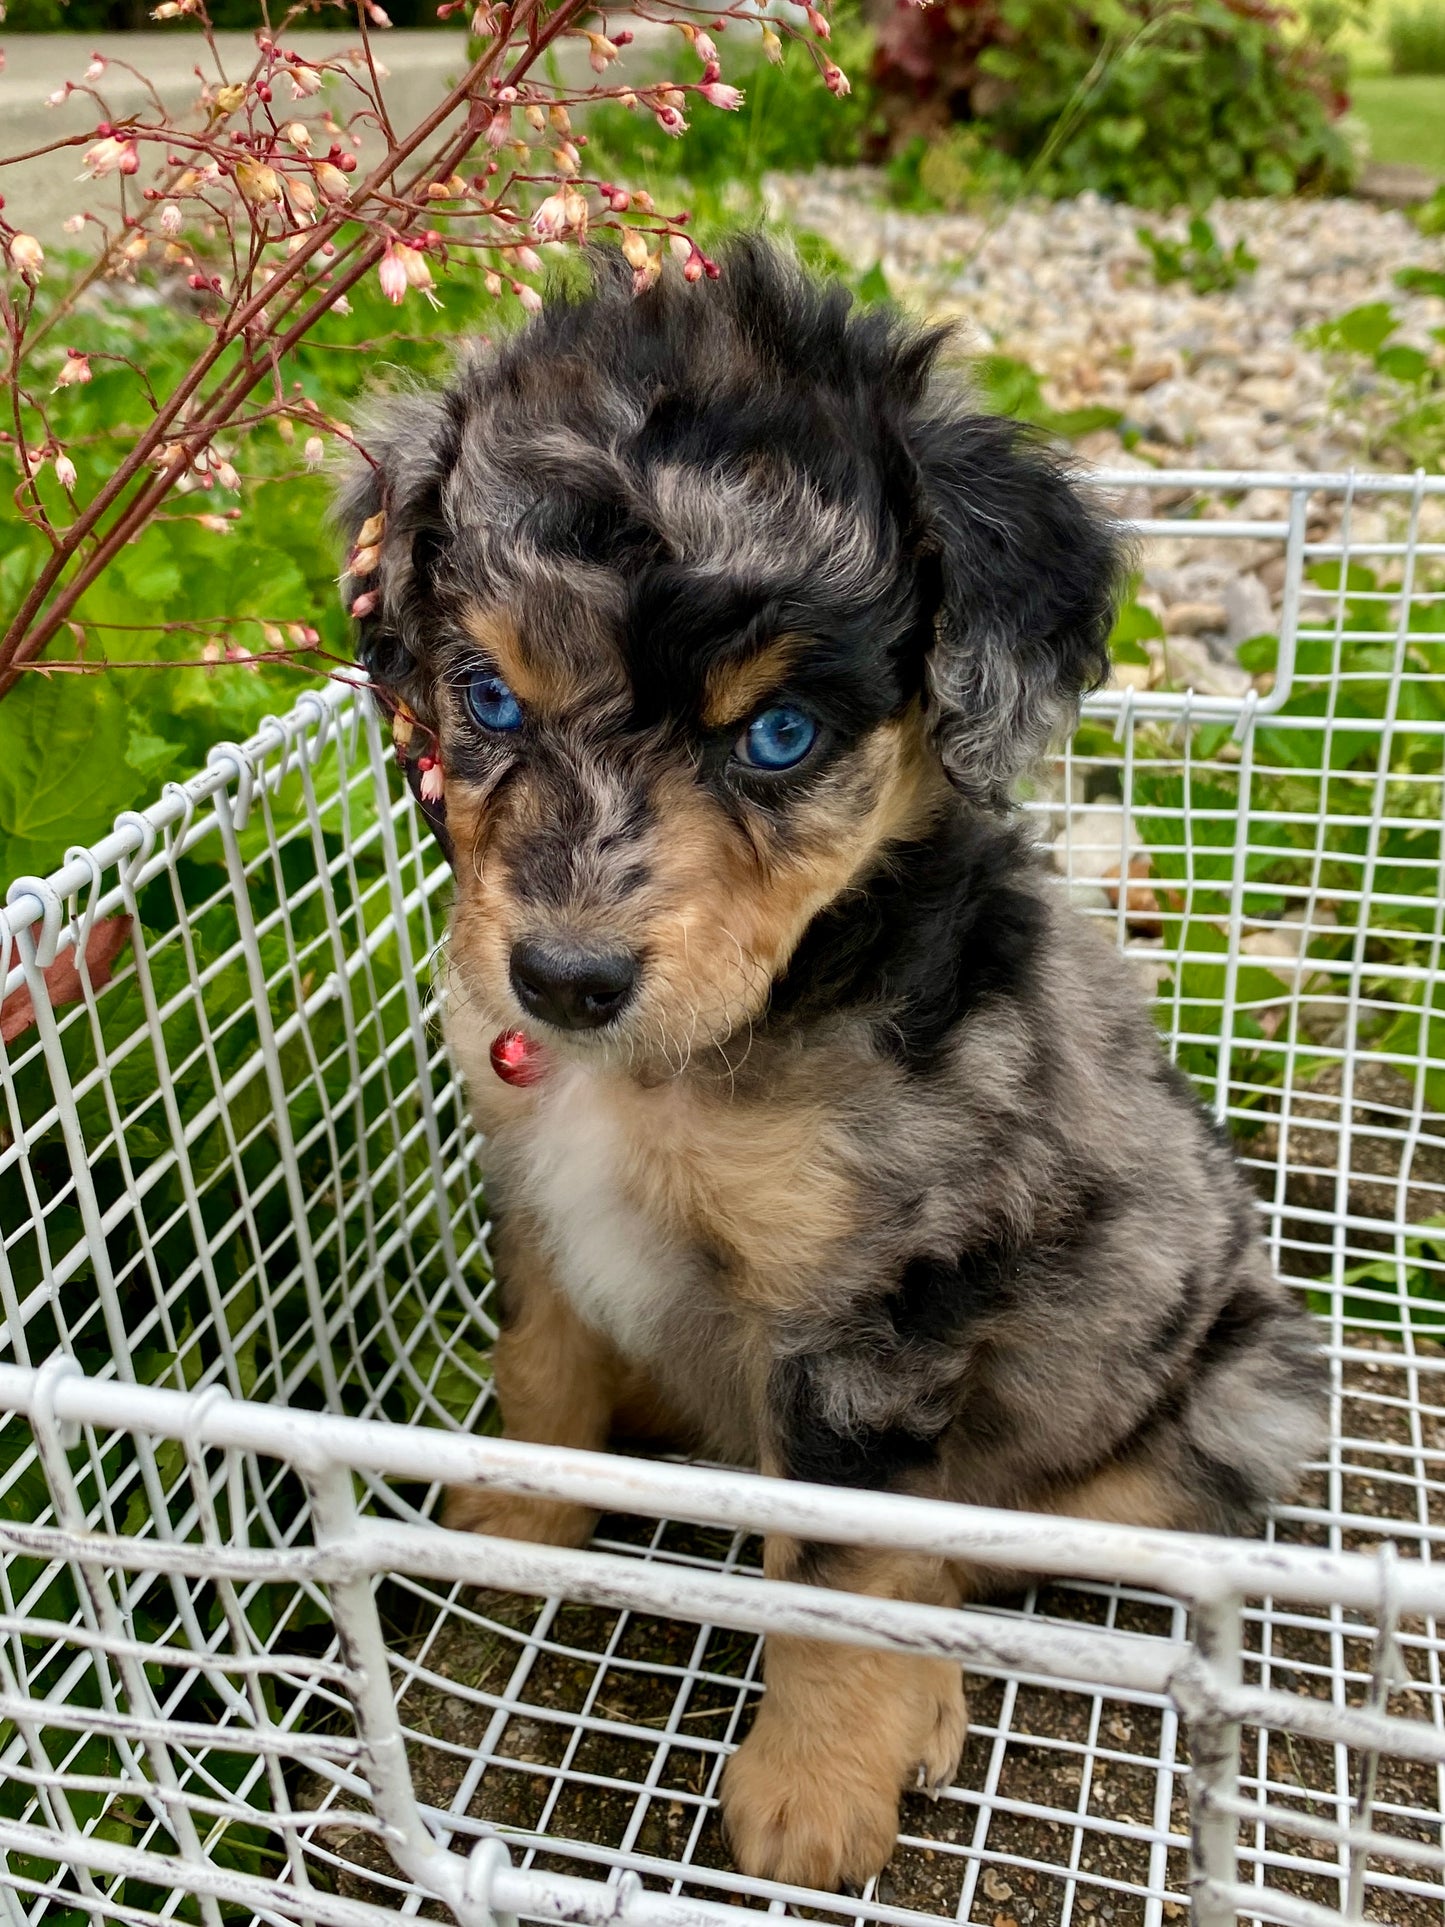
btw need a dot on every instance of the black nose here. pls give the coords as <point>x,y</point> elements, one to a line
<point>570,986</point>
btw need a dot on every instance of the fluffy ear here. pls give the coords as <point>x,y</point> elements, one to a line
<point>1026,574</point>
<point>394,499</point>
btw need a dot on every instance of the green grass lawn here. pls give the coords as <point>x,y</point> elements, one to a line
<point>1405,116</point>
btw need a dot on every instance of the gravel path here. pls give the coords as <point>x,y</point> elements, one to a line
<point>1220,380</point>
<point>1067,287</point>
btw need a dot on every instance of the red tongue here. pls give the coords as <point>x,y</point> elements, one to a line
<point>517,1058</point>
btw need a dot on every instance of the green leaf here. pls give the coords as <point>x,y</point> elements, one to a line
<point>62,740</point>
<point>1421,281</point>
<point>152,757</point>
<point>1402,363</point>
<point>1364,330</point>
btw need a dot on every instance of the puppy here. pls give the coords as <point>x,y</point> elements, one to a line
<point>820,1133</point>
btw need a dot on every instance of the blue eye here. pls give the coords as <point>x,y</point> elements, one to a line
<point>778,738</point>
<point>492,703</point>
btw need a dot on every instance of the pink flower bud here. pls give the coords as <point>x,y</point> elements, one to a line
<point>258,184</point>
<point>129,158</point>
<point>363,561</point>
<point>528,260</point>
<point>819,23</point>
<point>101,159</point>
<point>75,368</point>
<point>96,68</point>
<point>59,97</point>
<point>682,248</point>
<point>717,94</point>
<point>619,200</point>
<point>363,605</point>
<point>299,135</point>
<point>226,475</point>
<point>433,784</point>
<point>314,452</point>
<point>27,257</point>
<point>417,269</point>
<point>214,524</point>
<point>378,16</point>
<point>550,218</point>
<point>74,224</point>
<point>499,128</point>
<point>65,472</point>
<point>836,81</point>
<point>568,160</point>
<point>392,276</point>
<point>670,121</point>
<point>703,46</point>
<point>529,297</point>
<point>692,268</point>
<point>332,182</point>
<point>492,282</point>
<point>341,305</point>
<point>170,220</point>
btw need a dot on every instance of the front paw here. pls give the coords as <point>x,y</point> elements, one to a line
<point>800,1810</point>
<point>504,1515</point>
<point>942,1728</point>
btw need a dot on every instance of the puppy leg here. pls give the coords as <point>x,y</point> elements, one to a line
<point>811,1795</point>
<point>557,1382</point>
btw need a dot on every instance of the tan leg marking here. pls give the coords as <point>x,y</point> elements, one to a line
<point>558,1383</point>
<point>1128,1493</point>
<point>811,1796</point>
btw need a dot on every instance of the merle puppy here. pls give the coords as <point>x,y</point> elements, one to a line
<point>820,1133</point>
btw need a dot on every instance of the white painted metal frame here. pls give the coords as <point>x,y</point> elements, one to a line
<point>244,1285</point>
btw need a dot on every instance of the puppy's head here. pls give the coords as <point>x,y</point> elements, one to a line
<point>710,595</point>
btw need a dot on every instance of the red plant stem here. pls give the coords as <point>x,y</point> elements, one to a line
<point>25,637</point>
<point>22,643</point>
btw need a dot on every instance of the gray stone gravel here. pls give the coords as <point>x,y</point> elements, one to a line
<point>1217,380</point>
<point>1220,380</point>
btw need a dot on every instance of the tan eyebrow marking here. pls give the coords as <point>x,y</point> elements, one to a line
<point>734,689</point>
<point>541,684</point>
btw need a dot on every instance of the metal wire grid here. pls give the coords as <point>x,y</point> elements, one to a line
<point>242,1167</point>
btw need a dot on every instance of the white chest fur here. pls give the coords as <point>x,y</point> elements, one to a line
<point>619,1269</point>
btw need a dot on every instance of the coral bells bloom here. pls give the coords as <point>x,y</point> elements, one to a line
<point>304,81</point>
<point>550,218</point>
<point>717,94</point>
<point>75,368</point>
<point>417,269</point>
<point>332,182</point>
<point>314,452</point>
<point>65,471</point>
<point>529,297</point>
<point>772,46</point>
<point>170,220</point>
<point>670,121</point>
<point>836,81</point>
<point>433,783</point>
<point>27,257</point>
<point>391,273</point>
<point>96,68</point>
<point>604,52</point>
<point>109,156</point>
<point>258,184</point>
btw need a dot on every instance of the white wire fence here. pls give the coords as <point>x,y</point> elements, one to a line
<point>245,1286</point>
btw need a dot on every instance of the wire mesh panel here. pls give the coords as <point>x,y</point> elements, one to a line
<point>244,1282</point>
